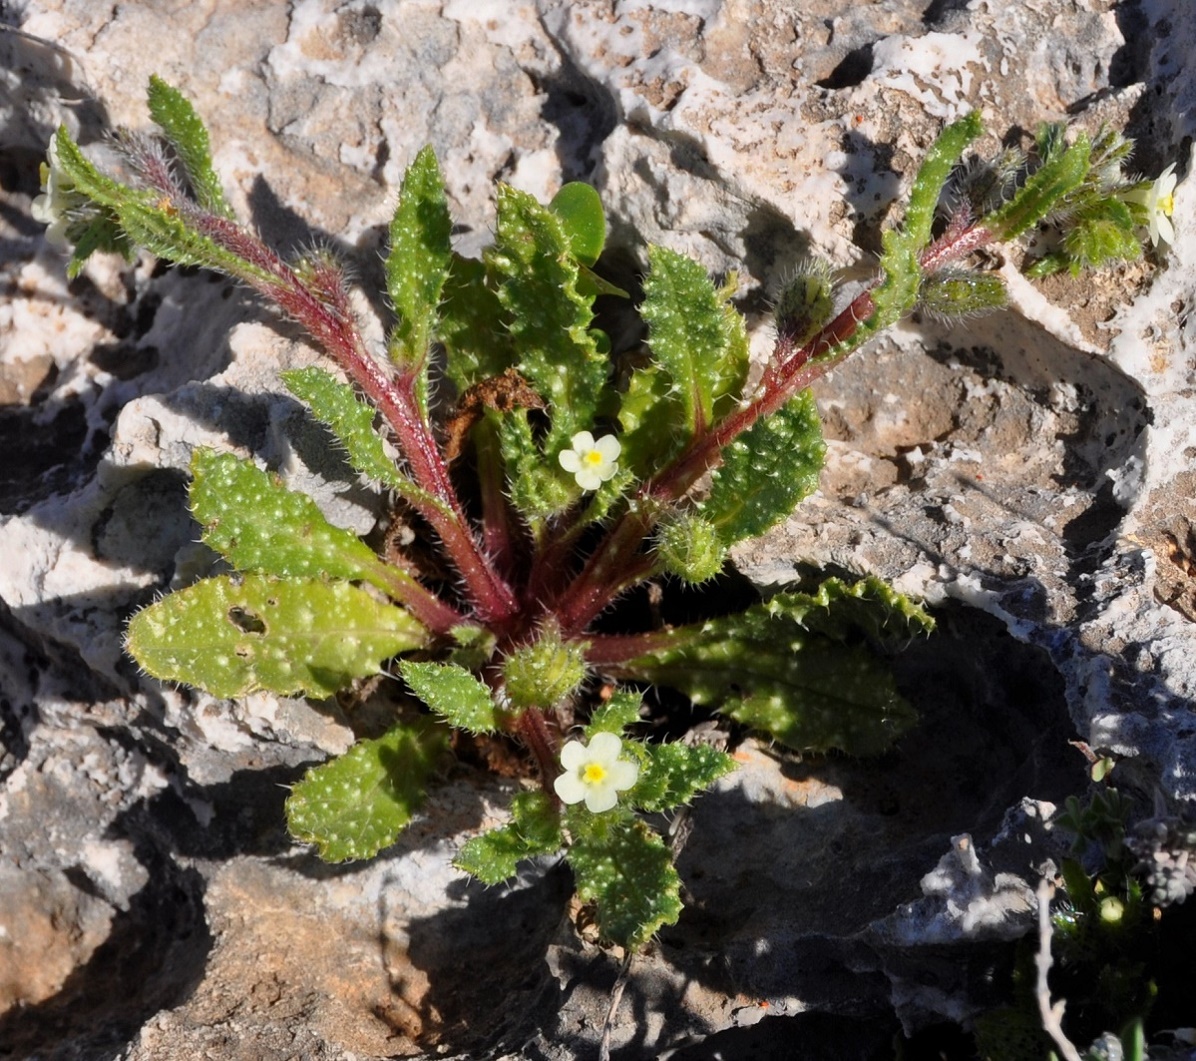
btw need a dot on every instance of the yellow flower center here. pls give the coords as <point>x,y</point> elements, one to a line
<point>593,774</point>
<point>1167,204</point>
<point>593,457</point>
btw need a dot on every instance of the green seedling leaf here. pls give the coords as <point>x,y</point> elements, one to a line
<point>766,670</point>
<point>534,829</point>
<point>549,318</point>
<point>418,264</point>
<point>672,774</point>
<point>354,806</point>
<point>694,335</point>
<point>258,524</point>
<point>932,175</point>
<point>766,471</point>
<point>147,221</point>
<point>351,420</point>
<point>619,712</point>
<point>232,636</point>
<point>1062,171</point>
<point>453,692</point>
<point>176,117</point>
<point>580,210</point>
<point>625,868</point>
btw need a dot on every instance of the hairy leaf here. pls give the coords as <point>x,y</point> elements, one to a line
<point>1062,170</point>
<point>766,471</point>
<point>838,609</point>
<point>549,318</point>
<point>354,806</point>
<point>932,175</point>
<point>694,335</point>
<point>418,264</point>
<point>453,692</point>
<point>626,869</point>
<point>233,636</point>
<point>672,774</point>
<point>176,117</point>
<point>534,829</point>
<point>148,222</point>
<point>473,326</point>
<point>351,420</point>
<point>619,712</point>
<point>766,669</point>
<point>258,524</point>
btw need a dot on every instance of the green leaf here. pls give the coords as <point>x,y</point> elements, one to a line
<point>580,210</point>
<point>932,175</point>
<point>673,774</point>
<point>354,806</point>
<point>453,692</point>
<point>619,712</point>
<point>177,118</point>
<point>1062,171</point>
<point>535,829</point>
<point>765,669</point>
<point>549,318</point>
<point>1100,232</point>
<point>147,222</point>
<point>694,335</point>
<point>626,869</point>
<point>99,233</point>
<point>839,609</point>
<point>473,326</point>
<point>766,471</point>
<point>418,264</point>
<point>258,524</point>
<point>351,420</point>
<point>232,636</point>
<point>650,416</point>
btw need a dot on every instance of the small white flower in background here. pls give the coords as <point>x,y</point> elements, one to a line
<point>591,462</point>
<point>1159,202</point>
<point>595,773</point>
<point>50,208</point>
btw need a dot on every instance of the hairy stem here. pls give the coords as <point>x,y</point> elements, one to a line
<point>331,325</point>
<point>790,371</point>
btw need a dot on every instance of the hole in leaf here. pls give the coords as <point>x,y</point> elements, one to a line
<point>246,621</point>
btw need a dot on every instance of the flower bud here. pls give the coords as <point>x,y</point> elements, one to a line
<point>805,304</point>
<point>543,673</point>
<point>961,293</point>
<point>689,547</point>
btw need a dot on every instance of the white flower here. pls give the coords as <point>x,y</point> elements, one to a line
<point>1159,201</point>
<point>595,774</point>
<point>51,207</point>
<point>591,462</point>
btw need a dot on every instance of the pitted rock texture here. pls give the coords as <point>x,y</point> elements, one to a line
<point>1028,475</point>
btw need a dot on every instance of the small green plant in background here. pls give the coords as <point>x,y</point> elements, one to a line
<point>554,484</point>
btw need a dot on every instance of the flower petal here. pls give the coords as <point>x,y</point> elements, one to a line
<point>600,798</point>
<point>570,788</point>
<point>570,460</point>
<point>623,774</point>
<point>582,441</point>
<point>605,747</point>
<point>574,755</point>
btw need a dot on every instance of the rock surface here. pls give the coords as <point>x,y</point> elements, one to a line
<point>1027,475</point>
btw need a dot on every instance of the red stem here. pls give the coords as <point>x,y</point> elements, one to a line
<point>788,374</point>
<point>394,399</point>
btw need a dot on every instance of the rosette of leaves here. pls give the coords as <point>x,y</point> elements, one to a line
<point>504,643</point>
